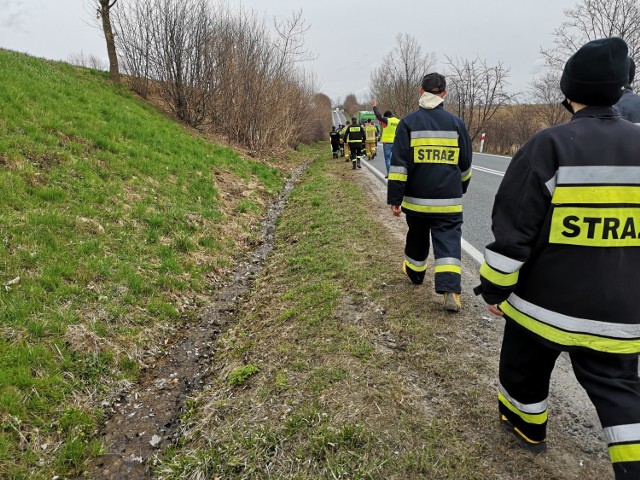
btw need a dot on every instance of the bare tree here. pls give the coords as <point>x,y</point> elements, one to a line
<point>223,70</point>
<point>476,91</point>
<point>396,81</point>
<point>592,19</point>
<point>103,13</point>
<point>351,106</point>
<point>544,91</point>
<point>90,61</point>
<point>133,25</point>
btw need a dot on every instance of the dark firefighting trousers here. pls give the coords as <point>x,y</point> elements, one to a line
<point>335,148</point>
<point>611,381</point>
<point>356,151</point>
<point>446,234</point>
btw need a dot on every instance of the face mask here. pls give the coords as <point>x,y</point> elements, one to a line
<point>567,104</point>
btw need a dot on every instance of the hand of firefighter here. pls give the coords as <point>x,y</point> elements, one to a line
<point>495,309</point>
<point>396,210</point>
<point>373,102</point>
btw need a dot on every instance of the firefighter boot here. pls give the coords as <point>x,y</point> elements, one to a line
<point>353,162</point>
<point>452,302</point>
<point>359,163</point>
<point>535,447</point>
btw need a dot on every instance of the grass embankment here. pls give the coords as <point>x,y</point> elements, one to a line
<point>349,371</point>
<point>117,222</point>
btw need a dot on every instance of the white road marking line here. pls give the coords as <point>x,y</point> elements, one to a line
<point>488,170</point>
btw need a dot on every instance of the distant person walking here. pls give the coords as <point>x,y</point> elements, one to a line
<point>371,140</point>
<point>563,269</point>
<point>430,171</point>
<point>343,134</point>
<point>334,138</point>
<point>355,137</point>
<point>389,123</point>
<point>629,103</point>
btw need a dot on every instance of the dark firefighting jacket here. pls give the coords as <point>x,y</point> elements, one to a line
<point>565,262</point>
<point>354,134</point>
<point>629,106</point>
<point>430,161</point>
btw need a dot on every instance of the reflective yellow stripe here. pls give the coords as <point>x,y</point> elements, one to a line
<point>398,176</point>
<point>571,339</point>
<point>467,176</point>
<point>498,278</point>
<point>596,227</point>
<point>535,418</point>
<point>432,208</point>
<point>444,142</point>
<point>415,268</point>
<point>597,194</point>
<point>625,453</point>
<point>448,268</point>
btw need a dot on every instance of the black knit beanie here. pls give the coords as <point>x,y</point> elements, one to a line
<point>433,83</point>
<point>597,73</point>
<point>632,70</point>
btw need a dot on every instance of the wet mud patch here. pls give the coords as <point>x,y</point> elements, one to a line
<point>145,419</point>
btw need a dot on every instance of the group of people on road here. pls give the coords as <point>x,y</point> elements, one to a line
<point>564,265</point>
<point>355,141</point>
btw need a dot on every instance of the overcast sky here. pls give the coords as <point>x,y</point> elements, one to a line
<point>348,38</point>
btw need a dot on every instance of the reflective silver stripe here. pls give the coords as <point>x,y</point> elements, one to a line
<point>438,202</point>
<point>551,184</point>
<point>401,170</point>
<point>599,175</point>
<point>622,433</point>
<point>465,173</point>
<point>434,134</point>
<point>532,408</point>
<point>501,263</point>
<point>620,331</point>
<point>448,261</point>
<point>415,262</point>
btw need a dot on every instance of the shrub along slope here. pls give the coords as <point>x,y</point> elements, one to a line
<point>115,223</point>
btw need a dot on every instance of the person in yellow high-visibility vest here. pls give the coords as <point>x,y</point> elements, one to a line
<point>371,139</point>
<point>389,124</point>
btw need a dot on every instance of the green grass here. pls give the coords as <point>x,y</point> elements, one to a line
<point>362,375</point>
<point>313,409</point>
<point>108,210</point>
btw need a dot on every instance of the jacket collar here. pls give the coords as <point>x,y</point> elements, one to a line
<point>596,112</point>
<point>430,101</point>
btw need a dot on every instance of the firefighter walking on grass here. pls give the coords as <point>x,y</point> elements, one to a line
<point>564,267</point>
<point>430,171</point>
<point>354,137</point>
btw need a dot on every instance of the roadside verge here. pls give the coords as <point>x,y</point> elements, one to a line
<point>337,367</point>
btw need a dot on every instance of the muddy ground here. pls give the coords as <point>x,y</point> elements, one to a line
<point>145,420</point>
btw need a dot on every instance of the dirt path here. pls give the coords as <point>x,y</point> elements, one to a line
<point>145,420</point>
<point>571,412</point>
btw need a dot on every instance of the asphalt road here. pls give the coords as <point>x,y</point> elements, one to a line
<point>488,171</point>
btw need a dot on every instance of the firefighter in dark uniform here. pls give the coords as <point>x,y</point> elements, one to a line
<point>430,171</point>
<point>334,138</point>
<point>354,136</point>
<point>629,103</point>
<point>563,269</point>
